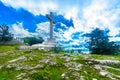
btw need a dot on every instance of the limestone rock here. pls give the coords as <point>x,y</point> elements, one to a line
<point>48,62</point>
<point>94,79</point>
<point>1,66</point>
<point>22,58</point>
<point>97,67</point>
<point>103,73</point>
<point>20,76</point>
<point>106,61</point>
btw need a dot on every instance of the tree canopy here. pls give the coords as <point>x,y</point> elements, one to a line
<point>5,35</point>
<point>33,40</point>
<point>99,43</point>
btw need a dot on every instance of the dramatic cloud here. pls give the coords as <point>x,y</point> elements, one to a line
<point>115,39</point>
<point>102,14</point>
<point>71,13</point>
<point>34,6</point>
<point>85,15</point>
<point>19,31</point>
<point>43,29</point>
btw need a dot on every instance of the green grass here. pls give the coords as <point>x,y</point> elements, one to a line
<point>104,57</point>
<point>5,48</point>
<point>113,71</point>
<point>90,73</point>
<point>50,72</point>
<point>8,74</point>
<point>114,65</point>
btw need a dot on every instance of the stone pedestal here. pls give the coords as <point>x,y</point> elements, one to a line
<point>47,45</point>
<point>51,42</point>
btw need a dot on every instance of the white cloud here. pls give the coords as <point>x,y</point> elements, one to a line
<point>64,25</point>
<point>114,39</point>
<point>72,12</point>
<point>19,31</point>
<point>34,6</point>
<point>43,29</point>
<point>68,34</point>
<point>102,14</point>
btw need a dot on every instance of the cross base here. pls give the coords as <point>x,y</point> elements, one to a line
<point>51,42</point>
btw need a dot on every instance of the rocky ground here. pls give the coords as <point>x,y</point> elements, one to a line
<point>41,65</point>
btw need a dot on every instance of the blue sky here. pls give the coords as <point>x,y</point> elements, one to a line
<point>73,18</point>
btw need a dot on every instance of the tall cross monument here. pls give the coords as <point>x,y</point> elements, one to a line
<point>50,17</point>
<point>50,42</point>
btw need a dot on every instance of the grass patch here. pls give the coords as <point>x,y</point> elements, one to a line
<point>5,48</point>
<point>48,73</point>
<point>8,74</point>
<point>113,71</point>
<point>114,65</point>
<point>104,57</point>
<point>89,73</point>
<point>9,56</point>
<point>51,72</point>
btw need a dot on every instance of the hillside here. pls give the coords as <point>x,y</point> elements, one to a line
<point>40,65</point>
